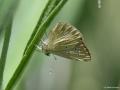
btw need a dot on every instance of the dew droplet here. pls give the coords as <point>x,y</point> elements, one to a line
<point>99,3</point>
<point>50,72</point>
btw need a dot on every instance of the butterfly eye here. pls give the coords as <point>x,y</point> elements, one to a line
<point>66,47</point>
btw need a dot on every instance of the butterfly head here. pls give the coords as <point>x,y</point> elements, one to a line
<point>45,49</point>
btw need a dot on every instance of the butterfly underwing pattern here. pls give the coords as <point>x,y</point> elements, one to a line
<point>66,41</point>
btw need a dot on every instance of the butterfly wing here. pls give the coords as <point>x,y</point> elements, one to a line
<point>66,41</point>
<point>79,52</point>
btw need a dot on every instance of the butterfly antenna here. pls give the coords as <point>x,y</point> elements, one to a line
<point>42,40</point>
<point>46,34</point>
<point>54,57</point>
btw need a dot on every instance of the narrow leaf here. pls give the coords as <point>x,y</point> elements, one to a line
<point>7,10</point>
<point>7,29</point>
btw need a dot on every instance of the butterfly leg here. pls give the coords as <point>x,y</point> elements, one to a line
<point>54,57</point>
<point>38,48</point>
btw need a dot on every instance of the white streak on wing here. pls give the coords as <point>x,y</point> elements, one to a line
<point>81,54</point>
<point>87,56</point>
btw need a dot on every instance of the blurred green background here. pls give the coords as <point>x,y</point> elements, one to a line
<point>101,30</point>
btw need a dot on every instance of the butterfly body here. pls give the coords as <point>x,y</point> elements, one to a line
<point>66,41</point>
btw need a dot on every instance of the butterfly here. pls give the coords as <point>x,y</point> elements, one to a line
<point>66,41</point>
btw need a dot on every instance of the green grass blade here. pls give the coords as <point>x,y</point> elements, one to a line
<point>7,7</point>
<point>48,8</point>
<point>7,10</point>
<point>34,41</point>
<point>7,29</point>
